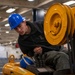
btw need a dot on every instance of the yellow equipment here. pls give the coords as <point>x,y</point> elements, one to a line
<point>59,28</point>
<point>59,23</point>
<point>13,68</point>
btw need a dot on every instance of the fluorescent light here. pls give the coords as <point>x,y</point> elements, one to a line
<point>7,31</point>
<point>69,3</point>
<point>6,25</point>
<point>3,7</point>
<point>28,19</point>
<point>10,10</point>
<point>30,0</point>
<point>10,42</point>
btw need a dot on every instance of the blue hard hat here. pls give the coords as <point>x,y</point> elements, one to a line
<point>14,20</point>
<point>26,61</point>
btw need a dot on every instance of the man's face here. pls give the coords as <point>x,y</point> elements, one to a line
<point>22,28</point>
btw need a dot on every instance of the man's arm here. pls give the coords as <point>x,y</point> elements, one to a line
<point>27,50</point>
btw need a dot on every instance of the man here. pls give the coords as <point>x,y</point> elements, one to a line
<point>32,41</point>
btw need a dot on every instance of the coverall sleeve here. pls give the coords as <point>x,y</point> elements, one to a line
<point>26,50</point>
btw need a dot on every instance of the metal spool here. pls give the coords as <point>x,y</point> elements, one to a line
<point>68,32</point>
<point>55,24</point>
<point>68,10</point>
<point>73,11</point>
<point>72,23</point>
<point>59,24</point>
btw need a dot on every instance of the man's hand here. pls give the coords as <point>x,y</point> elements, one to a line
<point>38,50</point>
